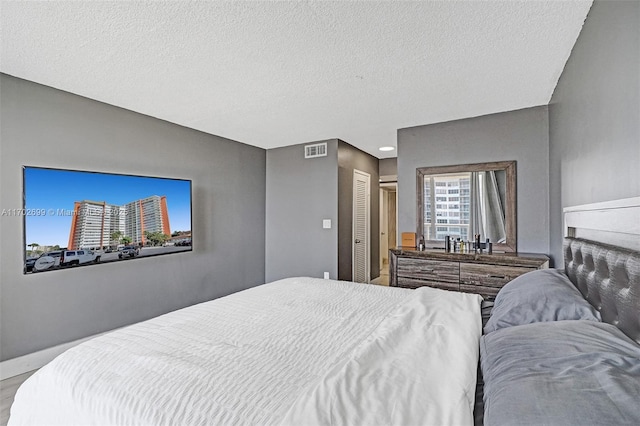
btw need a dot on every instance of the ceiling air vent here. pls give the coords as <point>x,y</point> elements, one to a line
<point>315,150</point>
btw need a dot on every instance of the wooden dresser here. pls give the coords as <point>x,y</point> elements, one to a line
<point>484,274</point>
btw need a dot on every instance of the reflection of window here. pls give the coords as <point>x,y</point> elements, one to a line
<point>442,201</point>
<point>469,201</point>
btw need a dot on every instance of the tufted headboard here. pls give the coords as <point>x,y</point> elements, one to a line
<point>609,278</point>
<point>602,258</point>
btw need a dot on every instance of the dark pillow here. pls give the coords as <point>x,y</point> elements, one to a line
<point>560,373</point>
<point>538,296</point>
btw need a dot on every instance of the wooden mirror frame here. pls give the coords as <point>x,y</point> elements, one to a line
<point>510,205</point>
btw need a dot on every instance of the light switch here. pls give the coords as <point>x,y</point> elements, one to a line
<point>326,223</point>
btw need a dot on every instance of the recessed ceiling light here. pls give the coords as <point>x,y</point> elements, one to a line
<point>386,148</point>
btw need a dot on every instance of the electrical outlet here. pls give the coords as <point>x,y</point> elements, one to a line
<point>326,275</point>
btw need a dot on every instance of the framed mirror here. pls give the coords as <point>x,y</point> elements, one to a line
<point>463,200</point>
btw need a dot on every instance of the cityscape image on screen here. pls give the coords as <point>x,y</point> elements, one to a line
<point>76,218</point>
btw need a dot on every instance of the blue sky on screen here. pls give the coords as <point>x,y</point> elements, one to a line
<point>56,191</point>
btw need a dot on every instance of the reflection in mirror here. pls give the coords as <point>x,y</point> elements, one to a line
<point>465,204</point>
<point>461,201</point>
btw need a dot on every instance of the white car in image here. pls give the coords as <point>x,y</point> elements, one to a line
<point>78,257</point>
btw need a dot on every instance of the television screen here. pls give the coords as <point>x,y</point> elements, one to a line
<point>77,218</point>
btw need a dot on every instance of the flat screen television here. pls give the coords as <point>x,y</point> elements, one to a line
<point>77,218</point>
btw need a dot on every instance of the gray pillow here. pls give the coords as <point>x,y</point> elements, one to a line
<point>539,296</point>
<point>560,373</point>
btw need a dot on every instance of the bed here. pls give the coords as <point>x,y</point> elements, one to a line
<point>295,351</point>
<point>562,347</point>
<point>557,347</point>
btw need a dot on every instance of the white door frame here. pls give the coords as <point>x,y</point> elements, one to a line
<point>384,225</point>
<point>367,177</point>
<point>387,188</point>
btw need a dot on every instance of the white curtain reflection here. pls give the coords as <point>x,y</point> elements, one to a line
<point>487,214</point>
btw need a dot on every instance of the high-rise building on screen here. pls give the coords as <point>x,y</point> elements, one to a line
<point>94,222</point>
<point>148,214</point>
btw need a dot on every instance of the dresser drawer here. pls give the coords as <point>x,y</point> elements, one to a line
<point>489,276</point>
<point>488,293</point>
<point>482,274</point>
<point>413,283</point>
<point>429,270</point>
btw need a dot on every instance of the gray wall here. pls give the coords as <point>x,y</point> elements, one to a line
<point>594,115</point>
<point>49,128</point>
<point>388,166</point>
<point>349,159</point>
<point>300,194</point>
<point>520,135</point>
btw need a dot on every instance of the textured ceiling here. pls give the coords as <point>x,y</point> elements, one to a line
<point>272,74</point>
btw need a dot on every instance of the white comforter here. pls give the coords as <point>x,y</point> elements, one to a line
<point>296,351</point>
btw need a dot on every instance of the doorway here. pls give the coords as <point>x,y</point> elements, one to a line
<point>388,226</point>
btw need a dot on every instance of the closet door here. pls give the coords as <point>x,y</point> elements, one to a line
<point>361,227</point>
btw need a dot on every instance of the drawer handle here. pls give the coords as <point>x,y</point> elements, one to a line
<point>502,277</point>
